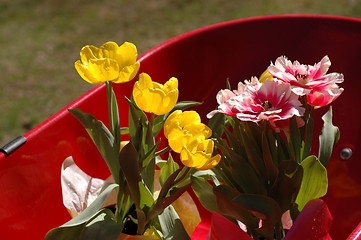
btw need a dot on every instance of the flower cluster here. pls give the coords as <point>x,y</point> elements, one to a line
<point>276,96</point>
<point>186,134</point>
<point>189,137</point>
<point>266,173</point>
<point>258,174</point>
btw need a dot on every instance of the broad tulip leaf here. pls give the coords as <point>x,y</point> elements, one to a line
<point>295,140</point>
<point>102,226</point>
<point>314,182</point>
<point>287,184</point>
<point>204,192</point>
<point>309,135</point>
<point>128,160</point>
<point>102,138</point>
<point>136,116</point>
<point>113,114</point>
<point>226,206</point>
<point>329,136</point>
<point>171,225</point>
<point>75,225</point>
<point>241,173</point>
<point>162,203</point>
<point>271,169</point>
<point>216,123</point>
<point>262,207</point>
<point>167,169</point>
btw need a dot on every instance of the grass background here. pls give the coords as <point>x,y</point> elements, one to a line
<point>40,41</point>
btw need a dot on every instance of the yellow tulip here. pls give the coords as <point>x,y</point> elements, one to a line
<point>110,62</point>
<point>200,156</point>
<point>265,75</point>
<point>184,129</point>
<point>153,97</point>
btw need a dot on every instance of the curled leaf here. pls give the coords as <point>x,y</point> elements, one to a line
<point>79,189</point>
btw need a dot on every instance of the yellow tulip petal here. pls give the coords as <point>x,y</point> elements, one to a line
<point>104,69</point>
<point>109,50</point>
<point>199,130</point>
<point>189,117</point>
<point>127,73</point>
<point>126,54</point>
<point>211,163</point>
<point>186,157</point>
<point>171,84</point>
<point>87,53</point>
<point>83,72</point>
<point>170,122</point>
<point>144,82</point>
<point>265,75</point>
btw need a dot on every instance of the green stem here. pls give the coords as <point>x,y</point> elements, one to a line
<point>279,232</point>
<point>109,86</point>
<point>113,114</point>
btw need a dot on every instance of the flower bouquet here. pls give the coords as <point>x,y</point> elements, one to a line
<point>251,166</point>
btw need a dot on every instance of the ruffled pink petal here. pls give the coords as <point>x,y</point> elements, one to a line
<point>320,99</point>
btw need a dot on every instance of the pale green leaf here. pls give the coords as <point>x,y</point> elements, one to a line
<point>314,182</point>
<point>329,136</point>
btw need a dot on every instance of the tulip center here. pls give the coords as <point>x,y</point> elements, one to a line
<point>266,105</point>
<point>301,79</point>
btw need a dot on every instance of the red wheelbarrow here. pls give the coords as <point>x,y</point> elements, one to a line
<point>202,60</point>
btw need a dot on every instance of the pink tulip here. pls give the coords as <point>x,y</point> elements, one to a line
<point>321,88</point>
<point>254,101</point>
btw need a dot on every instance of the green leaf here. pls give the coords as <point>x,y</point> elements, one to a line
<point>330,134</point>
<point>102,138</point>
<point>185,105</point>
<point>309,135</point>
<point>241,172</point>
<point>262,207</point>
<point>167,169</point>
<point>141,195</point>
<point>314,182</point>
<point>162,203</point>
<point>102,226</point>
<point>75,225</point>
<point>216,123</point>
<point>113,114</point>
<point>271,169</point>
<point>136,116</point>
<point>224,195</point>
<point>287,184</point>
<point>295,140</point>
<point>128,160</point>
<point>65,233</point>
<point>171,225</point>
<point>204,192</point>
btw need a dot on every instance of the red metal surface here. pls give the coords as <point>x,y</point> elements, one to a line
<point>202,60</point>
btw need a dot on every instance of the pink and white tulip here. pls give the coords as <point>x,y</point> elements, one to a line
<point>320,87</point>
<point>254,101</point>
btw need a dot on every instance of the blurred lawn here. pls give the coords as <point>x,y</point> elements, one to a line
<point>41,39</point>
